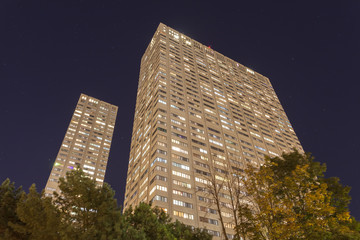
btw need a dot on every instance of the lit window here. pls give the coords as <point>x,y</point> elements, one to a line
<point>184,215</point>
<point>180,174</point>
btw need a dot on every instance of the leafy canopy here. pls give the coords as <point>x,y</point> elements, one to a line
<point>289,198</point>
<point>83,210</point>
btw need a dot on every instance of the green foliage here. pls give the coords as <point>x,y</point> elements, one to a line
<point>181,231</point>
<point>340,197</point>
<point>90,212</point>
<point>151,223</point>
<point>40,218</point>
<point>9,198</point>
<point>288,162</point>
<point>289,198</point>
<point>84,210</point>
<point>87,211</point>
<point>145,222</point>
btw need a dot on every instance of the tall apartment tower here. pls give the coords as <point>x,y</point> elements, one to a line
<point>197,110</point>
<point>86,143</point>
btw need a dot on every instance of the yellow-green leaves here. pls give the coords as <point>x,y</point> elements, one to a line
<point>290,200</point>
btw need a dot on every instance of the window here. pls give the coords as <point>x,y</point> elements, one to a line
<point>209,220</point>
<point>180,174</point>
<point>179,135</point>
<point>161,144</point>
<point>216,142</point>
<point>208,210</point>
<point>197,130</point>
<point>262,149</point>
<point>159,168</point>
<point>179,142</point>
<point>184,215</point>
<point>161,151</point>
<point>179,149</point>
<point>182,204</point>
<point>182,166</point>
<point>202,172</point>
<point>158,159</point>
<point>200,149</point>
<point>182,184</point>
<point>180,157</point>
<point>197,179</point>
<point>159,198</point>
<point>182,193</point>
<point>213,233</point>
<point>158,187</point>
<point>158,177</point>
<point>198,142</point>
<point>201,164</point>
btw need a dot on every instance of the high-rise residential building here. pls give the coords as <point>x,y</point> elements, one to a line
<point>198,111</point>
<point>86,143</point>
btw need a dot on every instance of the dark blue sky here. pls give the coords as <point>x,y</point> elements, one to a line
<point>51,51</point>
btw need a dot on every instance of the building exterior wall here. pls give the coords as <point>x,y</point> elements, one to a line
<point>196,110</point>
<point>86,143</point>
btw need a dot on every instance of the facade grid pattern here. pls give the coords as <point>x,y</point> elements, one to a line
<point>198,110</point>
<point>86,143</point>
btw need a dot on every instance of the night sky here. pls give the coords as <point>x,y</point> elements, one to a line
<point>51,51</point>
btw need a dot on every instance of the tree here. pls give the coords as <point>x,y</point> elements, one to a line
<point>184,232</point>
<point>340,199</point>
<point>87,210</point>
<point>223,185</point>
<point>345,227</point>
<point>40,219</point>
<point>9,198</point>
<point>150,223</point>
<point>288,198</point>
<point>144,222</point>
<point>83,210</point>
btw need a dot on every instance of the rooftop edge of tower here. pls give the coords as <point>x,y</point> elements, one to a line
<point>161,25</point>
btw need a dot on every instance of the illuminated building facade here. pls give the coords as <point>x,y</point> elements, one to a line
<point>197,109</point>
<point>86,143</point>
